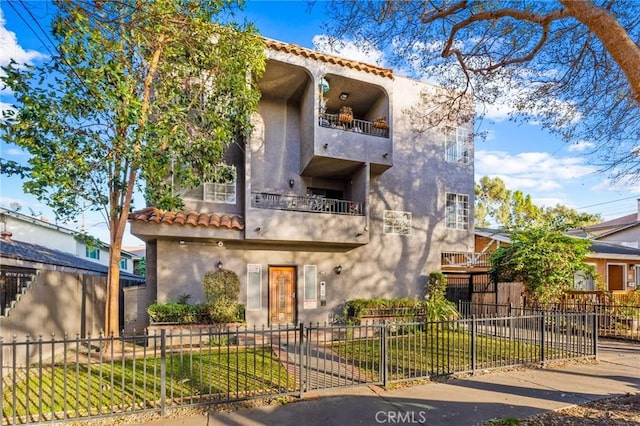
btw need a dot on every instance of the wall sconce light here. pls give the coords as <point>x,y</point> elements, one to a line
<point>258,229</point>
<point>385,155</point>
<point>338,269</point>
<point>343,96</point>
<point>325,146</point>
<point>291,183</point>
<point>182,242</point>
<point>219,265</point>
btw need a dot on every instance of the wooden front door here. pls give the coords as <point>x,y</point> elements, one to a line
<point>615,277</point>
<point>282,294</point>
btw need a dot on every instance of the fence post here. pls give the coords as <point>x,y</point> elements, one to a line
<point>473,343</point>
<point>301,357</point>
<point>542,336</point>
<point>163,372</point>
<point>510,321</point>
<point>595,333</point>
<point>384,365</point>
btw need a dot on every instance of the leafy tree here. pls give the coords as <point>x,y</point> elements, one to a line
<point>513,210</point>
<point>133,87</point>
<point>545,260</point>
<point>573,65</point>
<point>562,217</point>
<point>508,209</point>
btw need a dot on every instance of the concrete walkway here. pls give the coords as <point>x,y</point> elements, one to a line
<point>466,401</point>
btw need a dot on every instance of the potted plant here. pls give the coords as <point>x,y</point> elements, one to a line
<point>381,123</point>
<point>346,115</point>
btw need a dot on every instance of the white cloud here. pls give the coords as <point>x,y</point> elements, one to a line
<point>623,186</point>
<point>3,105</point>
<point>347,49</point>
<point>535,165</point>
<point>11,49</point>
<point>581,146</point>
<point>533,172</point>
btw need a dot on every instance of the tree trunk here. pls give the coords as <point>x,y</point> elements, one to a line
<point>613,36</point>
<point>112,308</point>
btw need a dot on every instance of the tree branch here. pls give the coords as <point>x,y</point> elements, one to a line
<point>613,36</point>
<point>543,20</point>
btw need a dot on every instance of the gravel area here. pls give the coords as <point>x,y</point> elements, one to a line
<point>620,410</point>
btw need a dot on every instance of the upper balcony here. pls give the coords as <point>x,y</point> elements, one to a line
<point>307,220</point>
<point>453,260</point>
<point>309,204</point>
<point>353,127</point>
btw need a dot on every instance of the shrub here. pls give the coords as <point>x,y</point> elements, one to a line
<point>221,290</point>
<point>175,312</point>
<point>438,307</point>
<point>355,309</point>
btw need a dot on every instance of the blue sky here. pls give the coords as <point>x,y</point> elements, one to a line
<point>524,156</point>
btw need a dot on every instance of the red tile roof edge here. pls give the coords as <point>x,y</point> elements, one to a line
<point>193,218</point>
<point>325,57</point>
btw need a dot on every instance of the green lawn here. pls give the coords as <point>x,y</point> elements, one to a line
<point>414,352</point>
<point>84,387</point>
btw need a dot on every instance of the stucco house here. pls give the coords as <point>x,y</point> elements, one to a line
<point>38,230</point>
<point>341,192</point>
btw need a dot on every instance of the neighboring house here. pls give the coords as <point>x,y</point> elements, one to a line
<point>39,231</point>
<point>45,291</point>
<point>341,192</point>
<point>624,230</point>
<point>617,266</point>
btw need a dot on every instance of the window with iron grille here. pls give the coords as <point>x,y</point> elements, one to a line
<point>457,144</point>
<point>457,211</point>
<point>397,222</point>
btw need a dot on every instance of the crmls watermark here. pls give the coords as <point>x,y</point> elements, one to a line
<point>401,417</point>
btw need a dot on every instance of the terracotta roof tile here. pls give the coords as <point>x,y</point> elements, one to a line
<point>324,57</point>
<point>152,214</point>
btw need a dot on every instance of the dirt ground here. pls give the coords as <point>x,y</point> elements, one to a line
<point>621,410</point>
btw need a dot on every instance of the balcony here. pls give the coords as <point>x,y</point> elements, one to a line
<point>457,260</point>
<point>375,128</point>
<point>309,204</point>
<point>305,221</point>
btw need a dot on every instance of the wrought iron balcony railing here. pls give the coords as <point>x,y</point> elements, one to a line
<point>355,126</point>
<point>313,204</point>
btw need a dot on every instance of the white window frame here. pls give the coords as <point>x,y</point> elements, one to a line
<point>586,277</point>
<point>396,222</point>
<point>221,192</point>
<point>310,300</point>
<point>89,252</point>
<point>457,145</point>
<point>254,269</point>
<point>457,214</point>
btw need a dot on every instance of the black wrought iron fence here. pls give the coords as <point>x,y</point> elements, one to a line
<point>57,379</point>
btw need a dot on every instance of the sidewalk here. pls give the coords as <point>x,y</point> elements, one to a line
<point>466,401</point>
